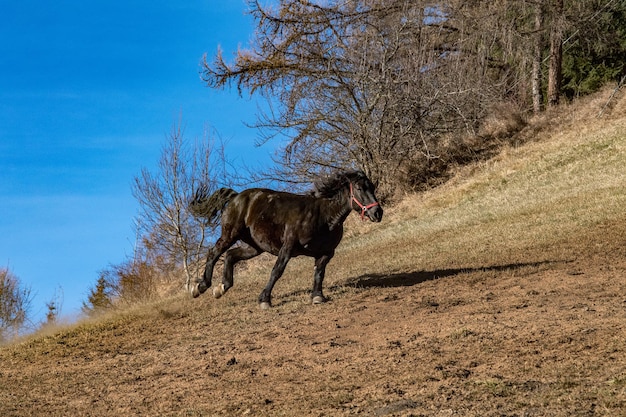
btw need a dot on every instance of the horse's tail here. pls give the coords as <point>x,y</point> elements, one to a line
<point>208,206</point>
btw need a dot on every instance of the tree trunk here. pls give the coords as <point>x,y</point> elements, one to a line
<point>536,71</point>
<point>556,54</point>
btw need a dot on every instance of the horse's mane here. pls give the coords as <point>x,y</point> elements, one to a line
<point>330,185</point>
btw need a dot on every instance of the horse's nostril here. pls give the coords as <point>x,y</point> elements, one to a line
<point>376,214</point>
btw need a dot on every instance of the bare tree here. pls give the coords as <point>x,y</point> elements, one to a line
<point>366,83</point>
<point>384,85</point>
<point>15,303</point>
<point>164,219</point>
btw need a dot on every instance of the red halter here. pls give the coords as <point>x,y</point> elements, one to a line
<point>363,207</point>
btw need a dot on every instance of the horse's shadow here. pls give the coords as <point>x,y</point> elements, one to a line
<point>408,279</point>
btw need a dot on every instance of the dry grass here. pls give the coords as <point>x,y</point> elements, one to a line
<point>498,294</point>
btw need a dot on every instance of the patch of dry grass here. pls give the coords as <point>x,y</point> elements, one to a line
<point>527,198</point>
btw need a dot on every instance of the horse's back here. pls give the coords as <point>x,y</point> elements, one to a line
<point>262,204</point>
<point>266,218</point>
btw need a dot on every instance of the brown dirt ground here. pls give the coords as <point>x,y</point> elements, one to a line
<point>542,336</point>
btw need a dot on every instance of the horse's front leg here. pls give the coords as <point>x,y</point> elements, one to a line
<point>233,256</point>
<point>265,298</point>
<point>214,254</point>
<point>317,296</point>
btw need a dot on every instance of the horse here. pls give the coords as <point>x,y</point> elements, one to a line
<point>284,224</point>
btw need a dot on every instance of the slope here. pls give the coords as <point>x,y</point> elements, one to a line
<point>500,293</point>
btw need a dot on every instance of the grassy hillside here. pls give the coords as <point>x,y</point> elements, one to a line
<point>500,293</point>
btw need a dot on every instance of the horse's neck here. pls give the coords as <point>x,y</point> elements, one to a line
<point>336,211</point>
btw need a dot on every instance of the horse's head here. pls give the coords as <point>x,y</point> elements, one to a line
<point>362,197</point>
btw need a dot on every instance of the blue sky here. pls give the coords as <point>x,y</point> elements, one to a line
<point>89,90</point>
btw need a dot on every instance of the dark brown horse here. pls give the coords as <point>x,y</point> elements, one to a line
<point>285,225</point>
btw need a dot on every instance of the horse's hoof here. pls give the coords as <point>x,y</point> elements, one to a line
<point>318,299</point>
<point>193,290</point>
<point>264,305</point>
<point>197,289</point>
<point>218,291</point>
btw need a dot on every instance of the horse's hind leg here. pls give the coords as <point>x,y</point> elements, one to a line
<point>265,299</point>
<point>233,256</point>
<point>317,296</point>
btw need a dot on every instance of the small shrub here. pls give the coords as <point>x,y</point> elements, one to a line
<point>503,121</point>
